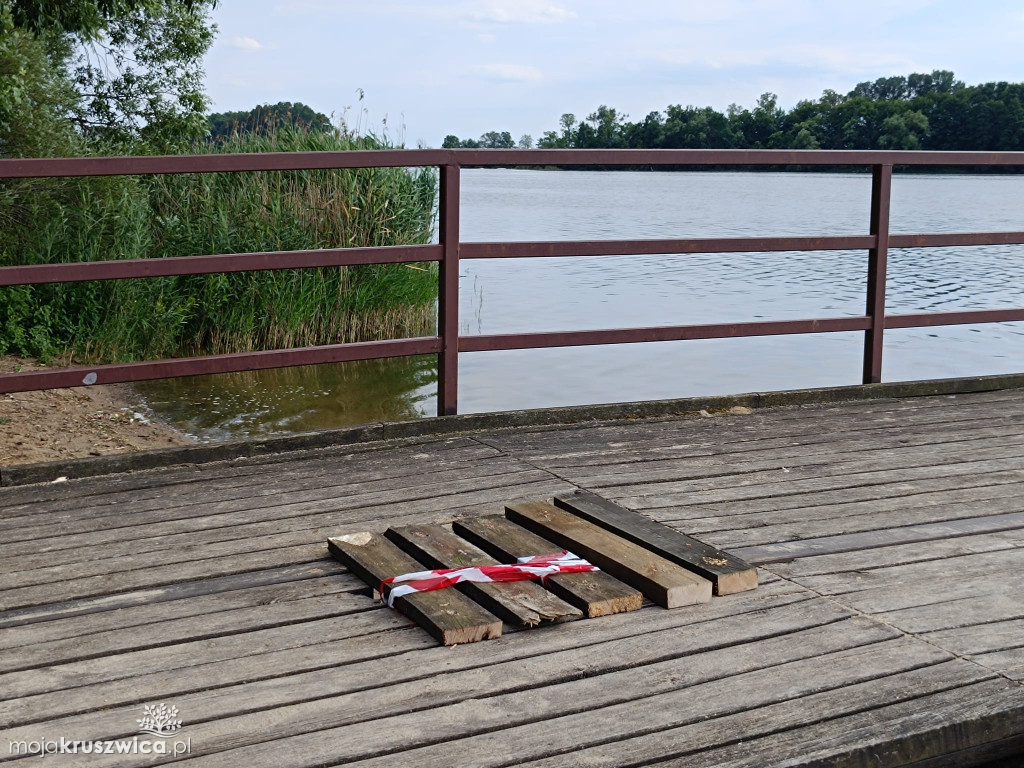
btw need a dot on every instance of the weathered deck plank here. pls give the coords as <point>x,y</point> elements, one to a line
<point>288,677</point>
<point>894,634</point>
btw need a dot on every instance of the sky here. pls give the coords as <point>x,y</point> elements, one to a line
<point>423,70</point>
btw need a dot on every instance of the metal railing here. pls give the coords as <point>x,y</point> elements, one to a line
<point>448,252</point>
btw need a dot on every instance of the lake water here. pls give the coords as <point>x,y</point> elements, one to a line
<point>522,295</point>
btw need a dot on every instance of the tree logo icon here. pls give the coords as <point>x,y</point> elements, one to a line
<point>159,720</point>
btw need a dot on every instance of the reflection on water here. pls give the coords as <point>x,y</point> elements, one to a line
<point>254,403</point>
<point>513,295</point>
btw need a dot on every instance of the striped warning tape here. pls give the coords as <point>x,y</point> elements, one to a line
<point>538,567</point>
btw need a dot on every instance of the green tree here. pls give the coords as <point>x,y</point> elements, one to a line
<point>606,129</point>
<point>903,131</point>
<point>693,128</point>
<point>918,111</point>
<point>270,117</point>
<point>649,133</point>
<point>549,140</point>
<point>86,19</point>
<point>35,97</point>
<point>143,82</point>
<point>496,140</point>
<point>122,71</point>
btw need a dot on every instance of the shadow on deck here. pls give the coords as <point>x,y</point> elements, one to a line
<point>888,629</point>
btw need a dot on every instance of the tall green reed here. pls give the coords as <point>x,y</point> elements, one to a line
<point>189,214</point>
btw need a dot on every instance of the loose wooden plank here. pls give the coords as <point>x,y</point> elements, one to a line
<point>524,603</point>
<point>448,616</point>
<point>597,593</point>
<point>663,582</point>
<point>726,572</point>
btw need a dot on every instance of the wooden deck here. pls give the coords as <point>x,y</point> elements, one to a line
<point>888,628</point>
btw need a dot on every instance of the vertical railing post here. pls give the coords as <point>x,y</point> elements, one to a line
<point>881,193</point>
<point>448,293</point>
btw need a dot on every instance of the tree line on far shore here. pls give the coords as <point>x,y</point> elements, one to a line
<point>919,111</point>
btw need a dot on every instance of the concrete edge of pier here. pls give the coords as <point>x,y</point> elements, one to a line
<point>369,434</point>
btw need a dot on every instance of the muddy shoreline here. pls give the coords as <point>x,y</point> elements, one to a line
<point>74,423</point>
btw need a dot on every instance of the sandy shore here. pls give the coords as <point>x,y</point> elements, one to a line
<point>72,423</point>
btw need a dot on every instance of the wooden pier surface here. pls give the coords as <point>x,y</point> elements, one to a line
<point>887,630</point>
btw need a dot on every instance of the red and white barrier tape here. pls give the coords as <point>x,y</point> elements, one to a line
<point>538,567</point>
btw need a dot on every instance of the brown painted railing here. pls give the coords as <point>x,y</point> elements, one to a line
<point>447,344</point>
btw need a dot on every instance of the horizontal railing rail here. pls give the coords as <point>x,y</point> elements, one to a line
<point>450,250</point>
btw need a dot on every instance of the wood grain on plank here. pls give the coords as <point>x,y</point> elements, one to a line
<point>728,573</point>
<point>597,593</point>
<point>785,607</point>
<point>448,616</point>
<point>524,603</point>
<point>665,583</point>
<point>787,551</point>
<point>579,713</point>
<point>261,712</point>
<point>688,744</point>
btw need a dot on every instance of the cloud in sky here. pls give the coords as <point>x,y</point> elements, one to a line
<point>248,44</point>
<point>520,12</point>
<point>514,73</point>
<point>448,66</point>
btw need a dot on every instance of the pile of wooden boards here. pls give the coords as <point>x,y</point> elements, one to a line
<point>638,558</point>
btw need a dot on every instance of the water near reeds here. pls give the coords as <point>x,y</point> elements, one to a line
<point>558,294</point>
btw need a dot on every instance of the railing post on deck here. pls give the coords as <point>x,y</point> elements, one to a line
<point>881,189</point>
<point>448,294</point>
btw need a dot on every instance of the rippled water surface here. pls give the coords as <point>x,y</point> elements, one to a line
<point>513,295</point>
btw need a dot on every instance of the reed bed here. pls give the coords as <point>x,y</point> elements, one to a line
<point>168,216</point>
